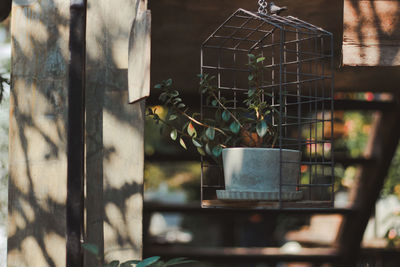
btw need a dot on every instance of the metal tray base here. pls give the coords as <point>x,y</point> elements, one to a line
<point>257,196</point>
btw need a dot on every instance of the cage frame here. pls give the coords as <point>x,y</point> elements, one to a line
<point>282,24</point>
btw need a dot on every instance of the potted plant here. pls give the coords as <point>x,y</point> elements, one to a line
<point>246,137</point>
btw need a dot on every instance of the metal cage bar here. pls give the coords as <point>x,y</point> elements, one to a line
<point>297,80</point>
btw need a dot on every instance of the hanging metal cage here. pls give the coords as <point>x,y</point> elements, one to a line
<point>297,80</point>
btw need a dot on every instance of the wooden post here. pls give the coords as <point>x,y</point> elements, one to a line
<point>382,146</point>
<point>38,136</point>
<point>114,128</point>
<point>76,133</point>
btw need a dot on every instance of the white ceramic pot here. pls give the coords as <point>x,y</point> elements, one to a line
<point>257,170</point>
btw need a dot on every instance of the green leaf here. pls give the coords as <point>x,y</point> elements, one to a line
<point>234,127</point>
<point>92,248</point>
<point>261,128</point>
<point>172,117</point>
<point>260,59</point>
<point>182,143</point>
<point>173,134</point>
<point>174,93</point>
<point>157,86</point>
<point>129,263</point>
<point>251,77</point>
<point>163,97</point>
<point>185,125</point>
<point>168,82</point>
<point>181,105</point>
<point>226,115</point>
<point>250,93</point>
<point>201,151</point>
<point>196,142</point>
<point>217,150</point>
<point>251,56</point>
<point>148,261</point>
<point>176,100</point>
<point>214,103</point>
<point>208,150</point>
<point>191,130</point>
<point>210,133</point>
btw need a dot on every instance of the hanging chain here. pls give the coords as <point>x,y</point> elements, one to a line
<point>262,7</point>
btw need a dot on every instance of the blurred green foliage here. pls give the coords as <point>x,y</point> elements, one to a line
<point>175,174</point>
<point>392,183</point>
<point>178,175</point>
<point>356,131</point>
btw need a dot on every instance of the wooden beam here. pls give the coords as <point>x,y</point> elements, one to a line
<point>382,146</point>
<point>371,33</point>
<point>195,208</point>
<point>179,29</point>
<point>76,133</point>
<point>114,135</point>
<point>242,254</point>
<point>38,135</point>
<point>139,55</point>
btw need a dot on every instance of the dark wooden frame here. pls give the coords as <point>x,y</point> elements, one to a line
<point>75,144</point>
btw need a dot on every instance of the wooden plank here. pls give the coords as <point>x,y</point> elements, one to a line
<point>24,2</point>
<point>114,135</point>
<point>139,55</point>
<point>76,133</point>
<point>272,254</point>
<point>266,204</point>
<point>239,254</point>
<point>38,134</point>
<point>382,146</point>
<point>371,33</point>
<point>195,208</point>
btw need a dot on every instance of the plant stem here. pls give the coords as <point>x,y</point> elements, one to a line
<point>198,122</point>
<point>222,105</point>
<point>172,127</point>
